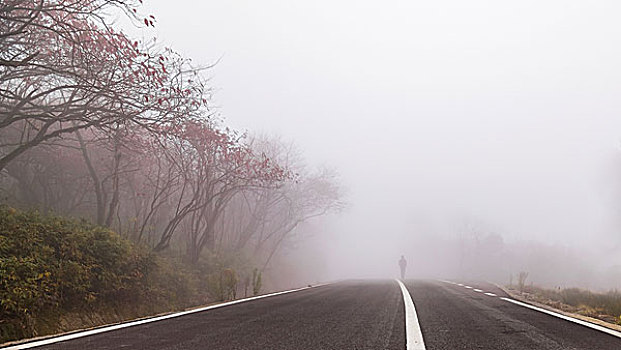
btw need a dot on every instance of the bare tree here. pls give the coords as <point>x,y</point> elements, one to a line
<point>64,70</point>
<point>263,219</point>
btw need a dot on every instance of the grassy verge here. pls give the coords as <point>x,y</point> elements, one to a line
<point>604,307</point>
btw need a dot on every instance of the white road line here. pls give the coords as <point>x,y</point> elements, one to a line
<point>476,290</point>
<point>468,287</point>
<point>571,319</point>
<point>70,336</point>
<point>413,334</point>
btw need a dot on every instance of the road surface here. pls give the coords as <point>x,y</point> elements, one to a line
<point>359,315</point>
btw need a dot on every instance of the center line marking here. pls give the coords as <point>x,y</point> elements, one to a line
<point>468,287</point>
<point>413,333</point>
<point>491,294</point>
<point>478,290</point>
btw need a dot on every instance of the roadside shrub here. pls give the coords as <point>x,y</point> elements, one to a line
<point>608,303</point>
<point>51,265</point>
<point>222,284</point>
<point>606,306</point>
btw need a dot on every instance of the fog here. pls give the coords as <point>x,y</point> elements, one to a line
<point>478,138</point>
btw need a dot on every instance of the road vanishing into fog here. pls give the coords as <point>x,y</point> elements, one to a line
<point>358,315</point>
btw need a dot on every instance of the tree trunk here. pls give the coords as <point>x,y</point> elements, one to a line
<point>99,195</point>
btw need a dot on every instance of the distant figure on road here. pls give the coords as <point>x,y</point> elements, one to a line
<point>403,264</point>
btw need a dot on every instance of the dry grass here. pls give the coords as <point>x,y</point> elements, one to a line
<point>604,307</point>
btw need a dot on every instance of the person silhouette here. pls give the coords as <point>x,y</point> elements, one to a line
<point>403,264</point>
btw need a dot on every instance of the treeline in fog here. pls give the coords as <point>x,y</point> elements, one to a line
<point>97,125</point>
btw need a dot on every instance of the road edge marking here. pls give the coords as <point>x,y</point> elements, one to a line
<point>413,333</point>
<point>103,329</point>
<point>565,317</point>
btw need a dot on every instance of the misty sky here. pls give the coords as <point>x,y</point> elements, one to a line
<point>505,113</point>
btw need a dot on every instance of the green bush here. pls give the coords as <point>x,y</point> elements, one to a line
<point>55,270</point>
<point>50,266</point>
<point>222,285</point>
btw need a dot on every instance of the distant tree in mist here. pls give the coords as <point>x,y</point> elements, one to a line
<point>480,250</point>
<point>262,219</point>
<point>521,280</point>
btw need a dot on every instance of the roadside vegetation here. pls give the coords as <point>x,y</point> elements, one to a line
<point>602,306</point>
<point>122,187</point>
<point>60,274</point>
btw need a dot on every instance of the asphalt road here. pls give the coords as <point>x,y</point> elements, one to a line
<point>453,317</point>
<point>359,315</point>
